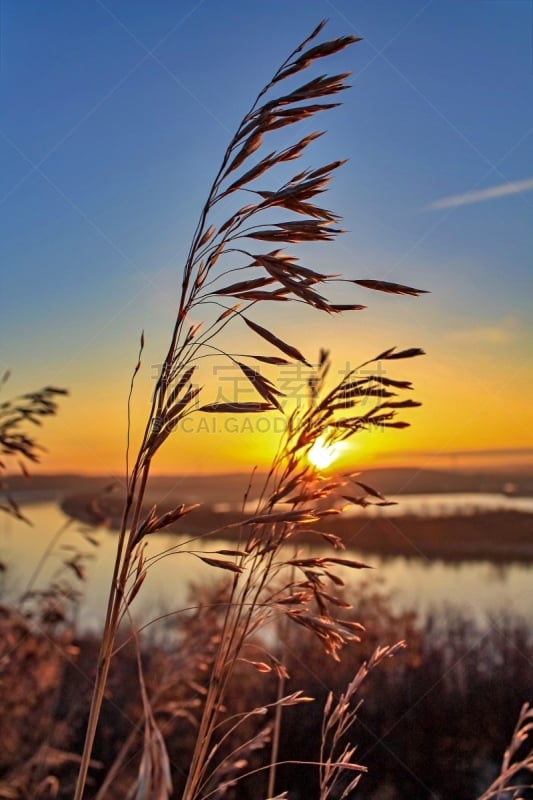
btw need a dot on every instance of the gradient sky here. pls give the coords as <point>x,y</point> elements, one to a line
<point>114,118</point>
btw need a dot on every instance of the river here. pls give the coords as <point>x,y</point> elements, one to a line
<point>480,589</point>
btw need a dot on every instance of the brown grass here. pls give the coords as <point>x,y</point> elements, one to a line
<point>428,705</point>
<point>266,589</point>
<point>271,276</point>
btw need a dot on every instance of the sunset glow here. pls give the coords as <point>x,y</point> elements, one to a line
<point>97,236</point>
<point>323,454</point>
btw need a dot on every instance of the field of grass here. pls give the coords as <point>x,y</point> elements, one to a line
<point>253,690</point>
<point>434,722</point>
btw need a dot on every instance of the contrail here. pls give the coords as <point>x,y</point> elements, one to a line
<point>516,187</point>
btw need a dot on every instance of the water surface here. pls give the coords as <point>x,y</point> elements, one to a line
<point>478,588</point>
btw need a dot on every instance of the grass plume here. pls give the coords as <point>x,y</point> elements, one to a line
<point>248,195</point>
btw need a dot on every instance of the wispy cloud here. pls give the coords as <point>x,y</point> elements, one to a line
<point>516,187</point>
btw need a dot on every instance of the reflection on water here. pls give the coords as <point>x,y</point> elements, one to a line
<point>426,505</point>
<point>444,505</point>
<point>478,588</point>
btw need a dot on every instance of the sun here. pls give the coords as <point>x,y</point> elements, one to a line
<point>323,453</point>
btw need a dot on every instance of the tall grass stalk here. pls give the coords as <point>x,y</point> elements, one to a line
<point>209,291</point>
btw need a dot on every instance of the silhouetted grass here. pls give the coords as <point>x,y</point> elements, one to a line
<point>434,722</point>
<point>195,720</point>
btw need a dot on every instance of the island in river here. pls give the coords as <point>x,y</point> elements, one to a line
<point>498,534</point>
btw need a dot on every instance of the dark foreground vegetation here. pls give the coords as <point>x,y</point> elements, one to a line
<point>434,722</point>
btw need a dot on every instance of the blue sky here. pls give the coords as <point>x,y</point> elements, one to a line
<point>115,116</point>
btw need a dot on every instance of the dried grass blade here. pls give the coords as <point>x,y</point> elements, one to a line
<point>286,348</point>
<point>321,86</point>
<point>327,48</point>
<point>390,288</point>
<point>221,564</point>
<point>172,516</point>
<point>338,307</point>
<point>288,116</point>
<point>358,501</point>
<point>254,172</point>
<point>236,408</point>
<point>392,382</point>
<point>401,404</point>
<point>273,158</point>
<point>282,516</point>
<point>392,354</point>
<point>398,424</point>
<point>243,286</point>
<point>252,144</point>
<point>207,236</point>
<point>262,385</point>
<point>271,360</point>
<point>183,381</point>
<point>348,562</point>
<point>228,312</point>
<point>411,352</point>
<point>279,296</point>
<point>370,490</point>
<point>180,406</point>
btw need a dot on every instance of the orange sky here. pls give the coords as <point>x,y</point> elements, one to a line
<point>468,403</point>
<point>110,147</point>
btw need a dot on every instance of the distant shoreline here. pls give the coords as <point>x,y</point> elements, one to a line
<point>231,486</point>
<point>499,536</point>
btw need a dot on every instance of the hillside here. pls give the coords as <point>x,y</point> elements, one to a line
<point>230,488</point>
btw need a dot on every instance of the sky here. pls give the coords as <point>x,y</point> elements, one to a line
<point>114,118</point>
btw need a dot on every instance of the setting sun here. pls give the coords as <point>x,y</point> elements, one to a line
<point>323,453</point>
